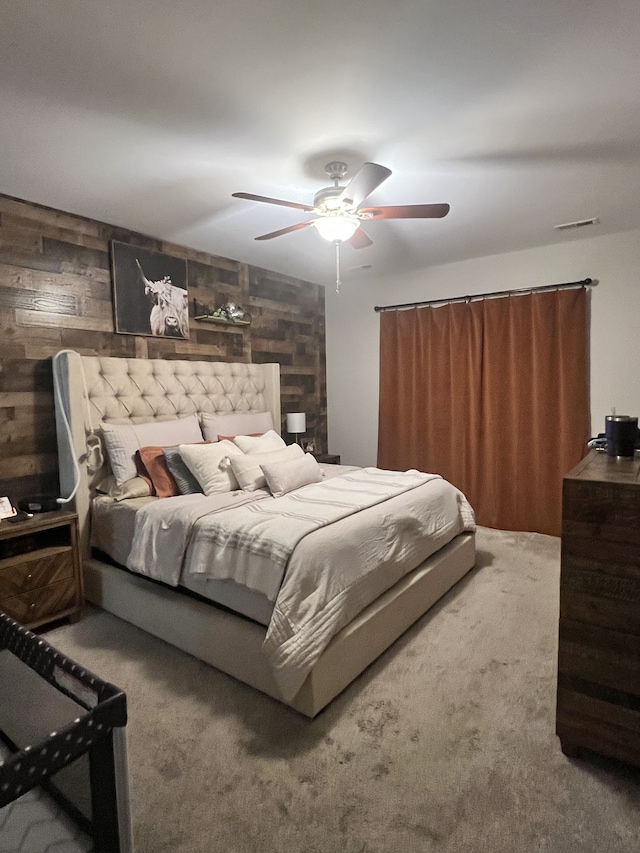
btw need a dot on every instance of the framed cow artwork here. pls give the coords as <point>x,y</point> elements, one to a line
<point>149,292</point>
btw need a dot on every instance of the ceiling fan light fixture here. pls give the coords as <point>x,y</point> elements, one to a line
<point>337,228</point>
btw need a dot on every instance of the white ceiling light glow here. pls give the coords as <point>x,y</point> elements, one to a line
<point>336,228</point>
<point>339,211</point>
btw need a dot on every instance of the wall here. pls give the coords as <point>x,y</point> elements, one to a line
<point>55,293</point>
<point>353,326</point>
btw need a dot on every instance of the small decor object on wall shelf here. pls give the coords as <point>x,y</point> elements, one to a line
<point>149,292</point>
<point>229,313</point>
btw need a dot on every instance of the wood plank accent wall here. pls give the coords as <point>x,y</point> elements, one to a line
<point>56,293</point>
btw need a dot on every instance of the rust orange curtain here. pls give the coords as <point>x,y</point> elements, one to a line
<point>492,395</point>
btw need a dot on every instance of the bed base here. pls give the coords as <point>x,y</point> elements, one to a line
<point>233,644</point>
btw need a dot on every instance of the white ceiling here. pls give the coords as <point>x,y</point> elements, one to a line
<point>148,114</point>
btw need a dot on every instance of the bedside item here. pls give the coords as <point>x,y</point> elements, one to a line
<point>39,503</point>
<point>19,516</point>
<point>296,424</point>
<point>6,508</point>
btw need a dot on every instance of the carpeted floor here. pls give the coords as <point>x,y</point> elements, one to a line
<point>446,743</point>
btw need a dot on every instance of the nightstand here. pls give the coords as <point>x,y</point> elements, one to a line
<point>327,458</point>
<point>40,573</point>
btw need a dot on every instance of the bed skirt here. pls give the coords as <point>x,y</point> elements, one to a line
<point>233,644</point>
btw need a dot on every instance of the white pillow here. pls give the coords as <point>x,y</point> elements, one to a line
<point>122,441</point>
<point>260,443</point>
<point>247,468</point>
<point>209,464</point>
<point>235,423</point>
<point>284,477</point>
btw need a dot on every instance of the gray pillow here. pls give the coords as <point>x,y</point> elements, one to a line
<point>185,480</point>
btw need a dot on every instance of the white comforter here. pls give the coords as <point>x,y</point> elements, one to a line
<point>335,565</point>
<point>254,543</point>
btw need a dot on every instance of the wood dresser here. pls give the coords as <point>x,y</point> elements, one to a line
<point>598,699</point>
<point>40,572</point>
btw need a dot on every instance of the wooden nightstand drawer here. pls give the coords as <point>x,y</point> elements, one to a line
<point>32,571</point>
<point>40,605</point>
<point>40,571</point>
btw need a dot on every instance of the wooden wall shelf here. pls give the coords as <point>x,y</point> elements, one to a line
<point>209,318</point>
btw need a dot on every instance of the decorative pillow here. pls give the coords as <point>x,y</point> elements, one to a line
<point>259,444</point>
<point>152,467</point>
<point>247,468</point>
<point>122,441</point>
<point>185,481</point>
<point>134,488</point>
<point>284,477</point>
<point>210,465</point>
<point>235,423</point>
<point>231,437</point>
<point>152,462</point>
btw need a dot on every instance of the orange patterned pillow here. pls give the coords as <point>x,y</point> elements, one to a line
<point>152,467</point>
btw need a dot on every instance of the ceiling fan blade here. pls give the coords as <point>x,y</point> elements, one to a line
<point>360,240</point>
<point>268,200</point>
<point>364,182</point>
<point>405,211</point>
<point>288,230</point>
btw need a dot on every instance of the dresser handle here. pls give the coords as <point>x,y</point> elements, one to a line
<point>29,577</point>
<point>32,605</point>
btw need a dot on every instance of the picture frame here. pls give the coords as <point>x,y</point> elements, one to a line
<point>6,508</point>
<point>150,293</point>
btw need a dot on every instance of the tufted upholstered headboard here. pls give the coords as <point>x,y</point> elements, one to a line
<point>131,390</point>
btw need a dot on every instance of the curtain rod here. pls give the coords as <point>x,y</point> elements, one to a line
<point>584,283</point>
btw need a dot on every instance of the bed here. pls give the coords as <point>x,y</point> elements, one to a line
<point>210,615</point>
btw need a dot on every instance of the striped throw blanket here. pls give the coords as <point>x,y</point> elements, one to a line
<point>249,542</point>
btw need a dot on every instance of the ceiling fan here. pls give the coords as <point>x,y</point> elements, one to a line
<point>338,211</point>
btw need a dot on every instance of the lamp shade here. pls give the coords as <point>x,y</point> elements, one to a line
<point>296,422</point>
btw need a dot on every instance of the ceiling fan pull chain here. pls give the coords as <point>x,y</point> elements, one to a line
<point>337,245</point>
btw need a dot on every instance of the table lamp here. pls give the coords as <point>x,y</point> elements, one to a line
<point>296,423</point>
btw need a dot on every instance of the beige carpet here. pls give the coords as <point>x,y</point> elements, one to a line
<point>445,744</point>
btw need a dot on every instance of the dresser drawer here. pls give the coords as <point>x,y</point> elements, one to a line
<point>35,569</point>
<point>37,605</point>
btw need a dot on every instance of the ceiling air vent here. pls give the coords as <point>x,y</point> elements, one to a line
<point>582,223</point>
